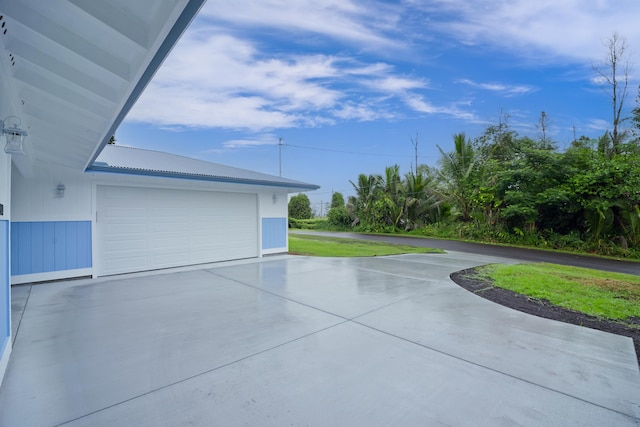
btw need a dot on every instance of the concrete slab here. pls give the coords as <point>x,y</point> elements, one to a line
<point>350,375</point>
<point>345,292</point>
<point>19,298</point>
<point>595,366</point>
<point>306,341</point>
<point>85,347</point>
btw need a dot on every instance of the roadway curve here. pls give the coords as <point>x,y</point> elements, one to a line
<point>529,255</point>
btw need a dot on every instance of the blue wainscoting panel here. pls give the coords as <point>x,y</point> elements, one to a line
<point>5,303</point>
<point>40,247</point>
<point>274,233</point>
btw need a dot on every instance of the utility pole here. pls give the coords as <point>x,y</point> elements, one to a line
<point>280,144</point>
<point>415,147</point>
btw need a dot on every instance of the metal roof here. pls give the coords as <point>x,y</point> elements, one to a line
<point>136,161</point>
<point>75,67</point>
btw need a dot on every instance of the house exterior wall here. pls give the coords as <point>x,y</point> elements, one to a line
<point>54,233</point>
<point>6,109</point>
<point>51,231</point>
<point>274,223</point>
<point>5,259</point>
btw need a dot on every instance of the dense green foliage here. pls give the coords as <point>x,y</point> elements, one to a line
<point>506,188</point>
<point>309,224</point>
<point>338,217</point>
<point>337,200</point>
<point>300,207</point>
<point>391,202</point>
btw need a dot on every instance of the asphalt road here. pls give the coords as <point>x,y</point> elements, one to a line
<point>529,255</point>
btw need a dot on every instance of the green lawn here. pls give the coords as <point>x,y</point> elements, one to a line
<point>323,246</point>
<point>606,295</point>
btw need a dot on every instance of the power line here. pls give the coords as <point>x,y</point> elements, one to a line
<point>360,153</point>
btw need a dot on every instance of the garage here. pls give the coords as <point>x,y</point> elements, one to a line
<point>141,229</point>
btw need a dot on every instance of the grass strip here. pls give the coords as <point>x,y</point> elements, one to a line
<point>606,295</point>
<point>324,246</point>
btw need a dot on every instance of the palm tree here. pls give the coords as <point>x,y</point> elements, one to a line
<point>390,200</point>
<point>364,189</point>
<point>456,169</point>
<point>422,203</point>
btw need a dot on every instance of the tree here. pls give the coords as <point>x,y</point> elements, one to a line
<point>364,198</point>
<point>615,79</point>
<point>635,118</point>
<point>300,207</point>
<point>543,125</point>
<point>388,206</point>
<point>414,142</point>
<point>337,200</point>
<point>456,168</point>
<point>422,202</point>
<point>338,214</point>
<point>339,217</point>
<point>498,141</point>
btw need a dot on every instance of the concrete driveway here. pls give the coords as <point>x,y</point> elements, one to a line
<point>306,341</point>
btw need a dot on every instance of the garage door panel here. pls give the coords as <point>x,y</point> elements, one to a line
<point>169,243</point>
<point>169,227</point>
<point>131,214</point>
<point>128,258</point>
<point>122,245</point>
<point>165,260</point>
<point>144,229</point>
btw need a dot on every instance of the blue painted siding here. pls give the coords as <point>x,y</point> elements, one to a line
<point>274,233</point>
<point>40,247</point>
<point>5,302</point>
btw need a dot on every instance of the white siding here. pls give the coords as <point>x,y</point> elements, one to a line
<point>37,198</point>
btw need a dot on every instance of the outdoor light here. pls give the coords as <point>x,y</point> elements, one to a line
<point>60,190</point>
<point>15,135</point>
<point>275,198</point>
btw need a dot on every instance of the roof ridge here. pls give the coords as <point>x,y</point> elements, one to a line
<point>172,154</point>
<point>161,163</point>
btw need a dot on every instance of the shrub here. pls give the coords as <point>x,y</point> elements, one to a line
<point>300,207</point>
<point>339,217</point>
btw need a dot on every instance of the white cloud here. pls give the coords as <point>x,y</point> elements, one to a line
<point>598,125</point>
<point>598,80</point>
<point>346,20</point>
<point>504,89</point>
<point>217,80</point>
<point>393,84</point>
<point>227,71</point>
<point>267,139</point>
<point>220,81</point>
<point>541,30</point>
<point>363,111</point>
<point>417,103</point>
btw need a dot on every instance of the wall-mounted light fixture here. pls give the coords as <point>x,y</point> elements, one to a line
<point>274,198</point>
<point>60,190</point>
<point>15,135</point>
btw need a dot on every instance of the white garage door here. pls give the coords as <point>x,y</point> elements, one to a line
<point>142,229</point>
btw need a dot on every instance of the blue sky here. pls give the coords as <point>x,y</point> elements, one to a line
<point>347,84</point>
